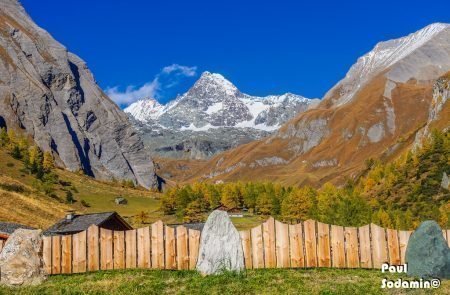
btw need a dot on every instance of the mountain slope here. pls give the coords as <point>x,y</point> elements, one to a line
<point>51,93</point>
<point>211,117</point>
<point>374,112</point>
<point>414,56</point>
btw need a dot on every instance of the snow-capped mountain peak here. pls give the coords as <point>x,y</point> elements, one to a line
<point>212,116</point>
<point>145,109</point>
<point>214,83</point>
<point>214,102</point>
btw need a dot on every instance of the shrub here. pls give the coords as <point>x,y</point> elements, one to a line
<point>69,197</point>
<point>85,204</point>
<point>12,187</point>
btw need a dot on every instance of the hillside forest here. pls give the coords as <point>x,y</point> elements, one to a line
<point>399,194</point>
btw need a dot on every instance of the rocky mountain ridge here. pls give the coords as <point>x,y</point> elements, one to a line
<point>212,116</point>
<point>421,48</point>
<point>50,94</point>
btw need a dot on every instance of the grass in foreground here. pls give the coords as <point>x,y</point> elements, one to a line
<point>271,281</point>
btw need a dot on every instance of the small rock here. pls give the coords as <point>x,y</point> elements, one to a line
<point>220,246</point>
<point>21,259</point>
<point>445,183</point>
<point>121,201</point>
<point>427,254</point>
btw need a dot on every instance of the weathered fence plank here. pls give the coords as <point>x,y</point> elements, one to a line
<point>194,245</point>
<point>393,247</point>
<point>66,254</point>
<point>47,254</point>
<point>130,249</point>
<point>282,244</point>
<point>364,247</point>
<point>351,247</point>
<point>143,247</point>
<point>119,250</point>
<point>403,241</point>
<point>323,245</point>
<point>247,248</point>
<point>269,243</point>
<point>182,247</point>
<point>106,249</point>
<point>1,245</point>
<point>79,260</point>
<point>93,248</point>
<point>56,254</point>
<point>296,245</point>
<point>257,247</point>
<point>337,246</point>
<point>157,245</point>
<point>171,250</point>
<point>379,245</point>
<point>310,243</point>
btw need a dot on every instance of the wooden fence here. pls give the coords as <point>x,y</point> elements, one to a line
<point>158,246</point>
<point>270,245</point>
<point>274,244</point>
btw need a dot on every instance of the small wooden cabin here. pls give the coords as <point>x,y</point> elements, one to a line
<point>75,223</point>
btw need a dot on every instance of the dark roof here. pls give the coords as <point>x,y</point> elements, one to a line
<point>80,223</point>
<point>7,228</point>
<point>196,226</point>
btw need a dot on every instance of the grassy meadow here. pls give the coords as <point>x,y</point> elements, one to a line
<point>21,201</point>
<point>269,281</point>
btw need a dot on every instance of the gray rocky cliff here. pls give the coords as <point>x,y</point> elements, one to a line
<point>441,94</point>
<point>51,94</point>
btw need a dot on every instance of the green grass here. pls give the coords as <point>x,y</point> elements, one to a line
<point>272,281</point>
<point>248,221</point>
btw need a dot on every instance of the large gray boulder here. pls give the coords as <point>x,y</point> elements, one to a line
<point>21,259</point>
<point>52,94</point>
<point>220,246</point>
<point>427,254</point>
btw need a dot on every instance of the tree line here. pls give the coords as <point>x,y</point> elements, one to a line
<point>35,162</point>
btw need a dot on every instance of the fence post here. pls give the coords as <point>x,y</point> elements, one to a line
<point>310,243</point>
<point>296,245</point>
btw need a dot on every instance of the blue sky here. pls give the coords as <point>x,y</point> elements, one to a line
<point>271,47</point>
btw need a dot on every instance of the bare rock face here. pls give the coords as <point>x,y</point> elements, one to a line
<point>441,94</point>
<point>21,259</point>
<point>51,94</point>
<point>445,183</point>
<point>220,246</point>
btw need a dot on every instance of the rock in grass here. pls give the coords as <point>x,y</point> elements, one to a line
<point>21,259</point>
<point>427,254</point>
<point>220,246</point>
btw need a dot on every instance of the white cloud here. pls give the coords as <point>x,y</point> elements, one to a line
<point>180,70</point>
<point>170,74</point>
<point>132,94</point>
